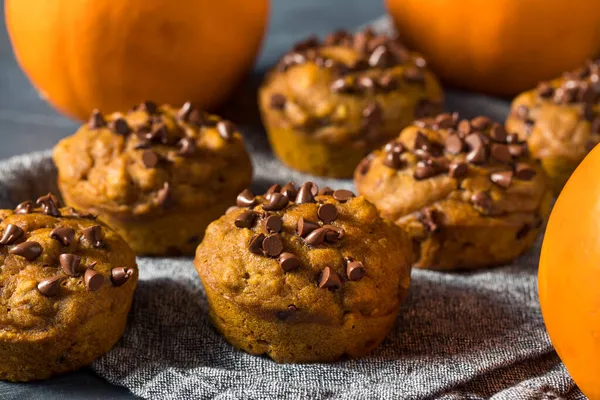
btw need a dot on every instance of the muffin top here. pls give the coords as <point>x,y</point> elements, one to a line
<point>348,86</point>
<point>561,117</point>
<point>452,170</point>
<point>59,268</point>
<point>152,158</point>
<point>301,254</point>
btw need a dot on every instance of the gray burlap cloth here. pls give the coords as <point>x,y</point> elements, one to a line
<point>459,335</point>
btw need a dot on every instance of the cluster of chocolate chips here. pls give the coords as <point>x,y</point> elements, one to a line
<point>16,237</point>
<point>269,243</point>
<point>482,140</point>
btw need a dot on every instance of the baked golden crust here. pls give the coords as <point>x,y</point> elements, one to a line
<point>352,270</point>
<point>327,104</point>
<point>67,285</point>
<point>560,120</point>
<point>155,165</point>
<point>466,192</point>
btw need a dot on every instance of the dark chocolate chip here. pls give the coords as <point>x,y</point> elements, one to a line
<point>392,160</point>
<point>480,122</point>
<point>163,196</point>
<point>120,275</point>
<point>333,234</point>
<point>458,170</point>
<point>277,201</point>
<point>288,261</point>
<point>69,263</point>
<point>120,126</point>
<point>277,101</point>
<point>446,121</point>
<point>329,279</point>
<point>454,144</point>
<point>150,158</point>
<point>305,194</point>
<point>93,280</point>
<point>483,201</point>
<point>187,147</point>
<point>524,172</point>
<point>464,127</point>
<point>226,129</point>
<point>272,245</point>
<point>25,207</point>
<point>326,191</point>
<point>93,235</point>
<point>148,106</point>
<point>355,270</point>
<point>502,178</point>
<point>159,134</point>
<point>477,155</point>
<point>430,219</point>
<point>544,90</point>
<point>381,57</point>
<point>341,85</point>
<point>29,250</point>
<point>11,234</point>
<point>517,150</point>
<point>366,84</point>
<point>50,286</point>
<point>184,112</point>
<point>305,227</point>
<point>289,190</point>
<point>273,223</point>
<point>96,120</point>
<point>246,219</point>
<point>246,199</point>
<point>49,204</point>
<point>256,242</point>
<point>327,212</point>
<point>342,195</point>
<point>500,152</point>
<point>63,234</point>
<point>387,82</point>
<point>317,236</point>
<point>372,114</point>
<point>586,94</point>
<point>425,169</point>
<point>498,133</point>
<point>276,188</point>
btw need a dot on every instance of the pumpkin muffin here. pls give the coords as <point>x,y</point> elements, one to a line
<point>560,120</point>
<point>303,275</point>
<point>156,175</point>
<point>466,192</point>
<point>67,285</point>
<point>328,104</point>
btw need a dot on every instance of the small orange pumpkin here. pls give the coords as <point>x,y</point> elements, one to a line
<point>500,47</point>
<point>112,54</point>
<point>569,275</point>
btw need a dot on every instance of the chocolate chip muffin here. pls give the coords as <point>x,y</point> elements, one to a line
<point>560,120</point>
<point>327,104</point>
<point>157,175</point>
<point>466,192</point>
<point>67,285</point>
<point>303,275</point>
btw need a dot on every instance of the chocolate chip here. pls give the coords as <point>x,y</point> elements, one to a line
<point>341,85</point>
<point>355,270</point>
<point>148,106</point>
<point>29,250</point>
<point>392,160</point>
<point>381,57</point>
<point>272,245</point>
<point>184,112</point>
<point>150,158</point>
<point>277,201</point>
<point>93,235</point>
<point>69,263</point>
<point>11,234</point>
<point>327,212</point>
<point>49,204</point>
<point>274,223</point>
<point>502,179</point>
<point>524,172</point>
<point>483,201</point>
<point>326,191</point>
<point>429,218</point>
<point>366,84</point>
<point>480,122</point>
<point>372,113</point>
<point>454,144</point>
<point>521,233</point>
<point>289,190</point>
<point>120,275</point>
<point>288,261</point>
<point>287,313</point>
<point>93,280</point>
<point>422,142</point>
<point>256,242</point>
<point>317,236</point>
<point>226,129</point>
<point>159,134</point>
<point>120,126</point>
<point>163,196</point>
<point>329,279</point>
<point>498,133</point>
<point>425,169</point>
<point>305,227</point>
<point>246,219</point>
<point>187,147</point>
<point>63,234</point>
<point>544,90</point>
<point>305,194</point>
<point>446,121</point>
<point>277,101</point>
<point>413,75</point>
<point>50,286</point>
<point>25,207</point>
<point>276,188</point>
<point>464,127</point>
<point>458,170</point>
<point>477,155</point>
<point>342,195</point>
<point>500,152</point>
<point>387,82</point>
<point>96,120</point>
<point>586,94</point>
<point>333,234</point>
<point>246,199</point>
<point>517,150</point>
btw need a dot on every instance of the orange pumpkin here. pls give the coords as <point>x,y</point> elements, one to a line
<point>112,54</point>
<point>569,275</point>
<point>500,47</point>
